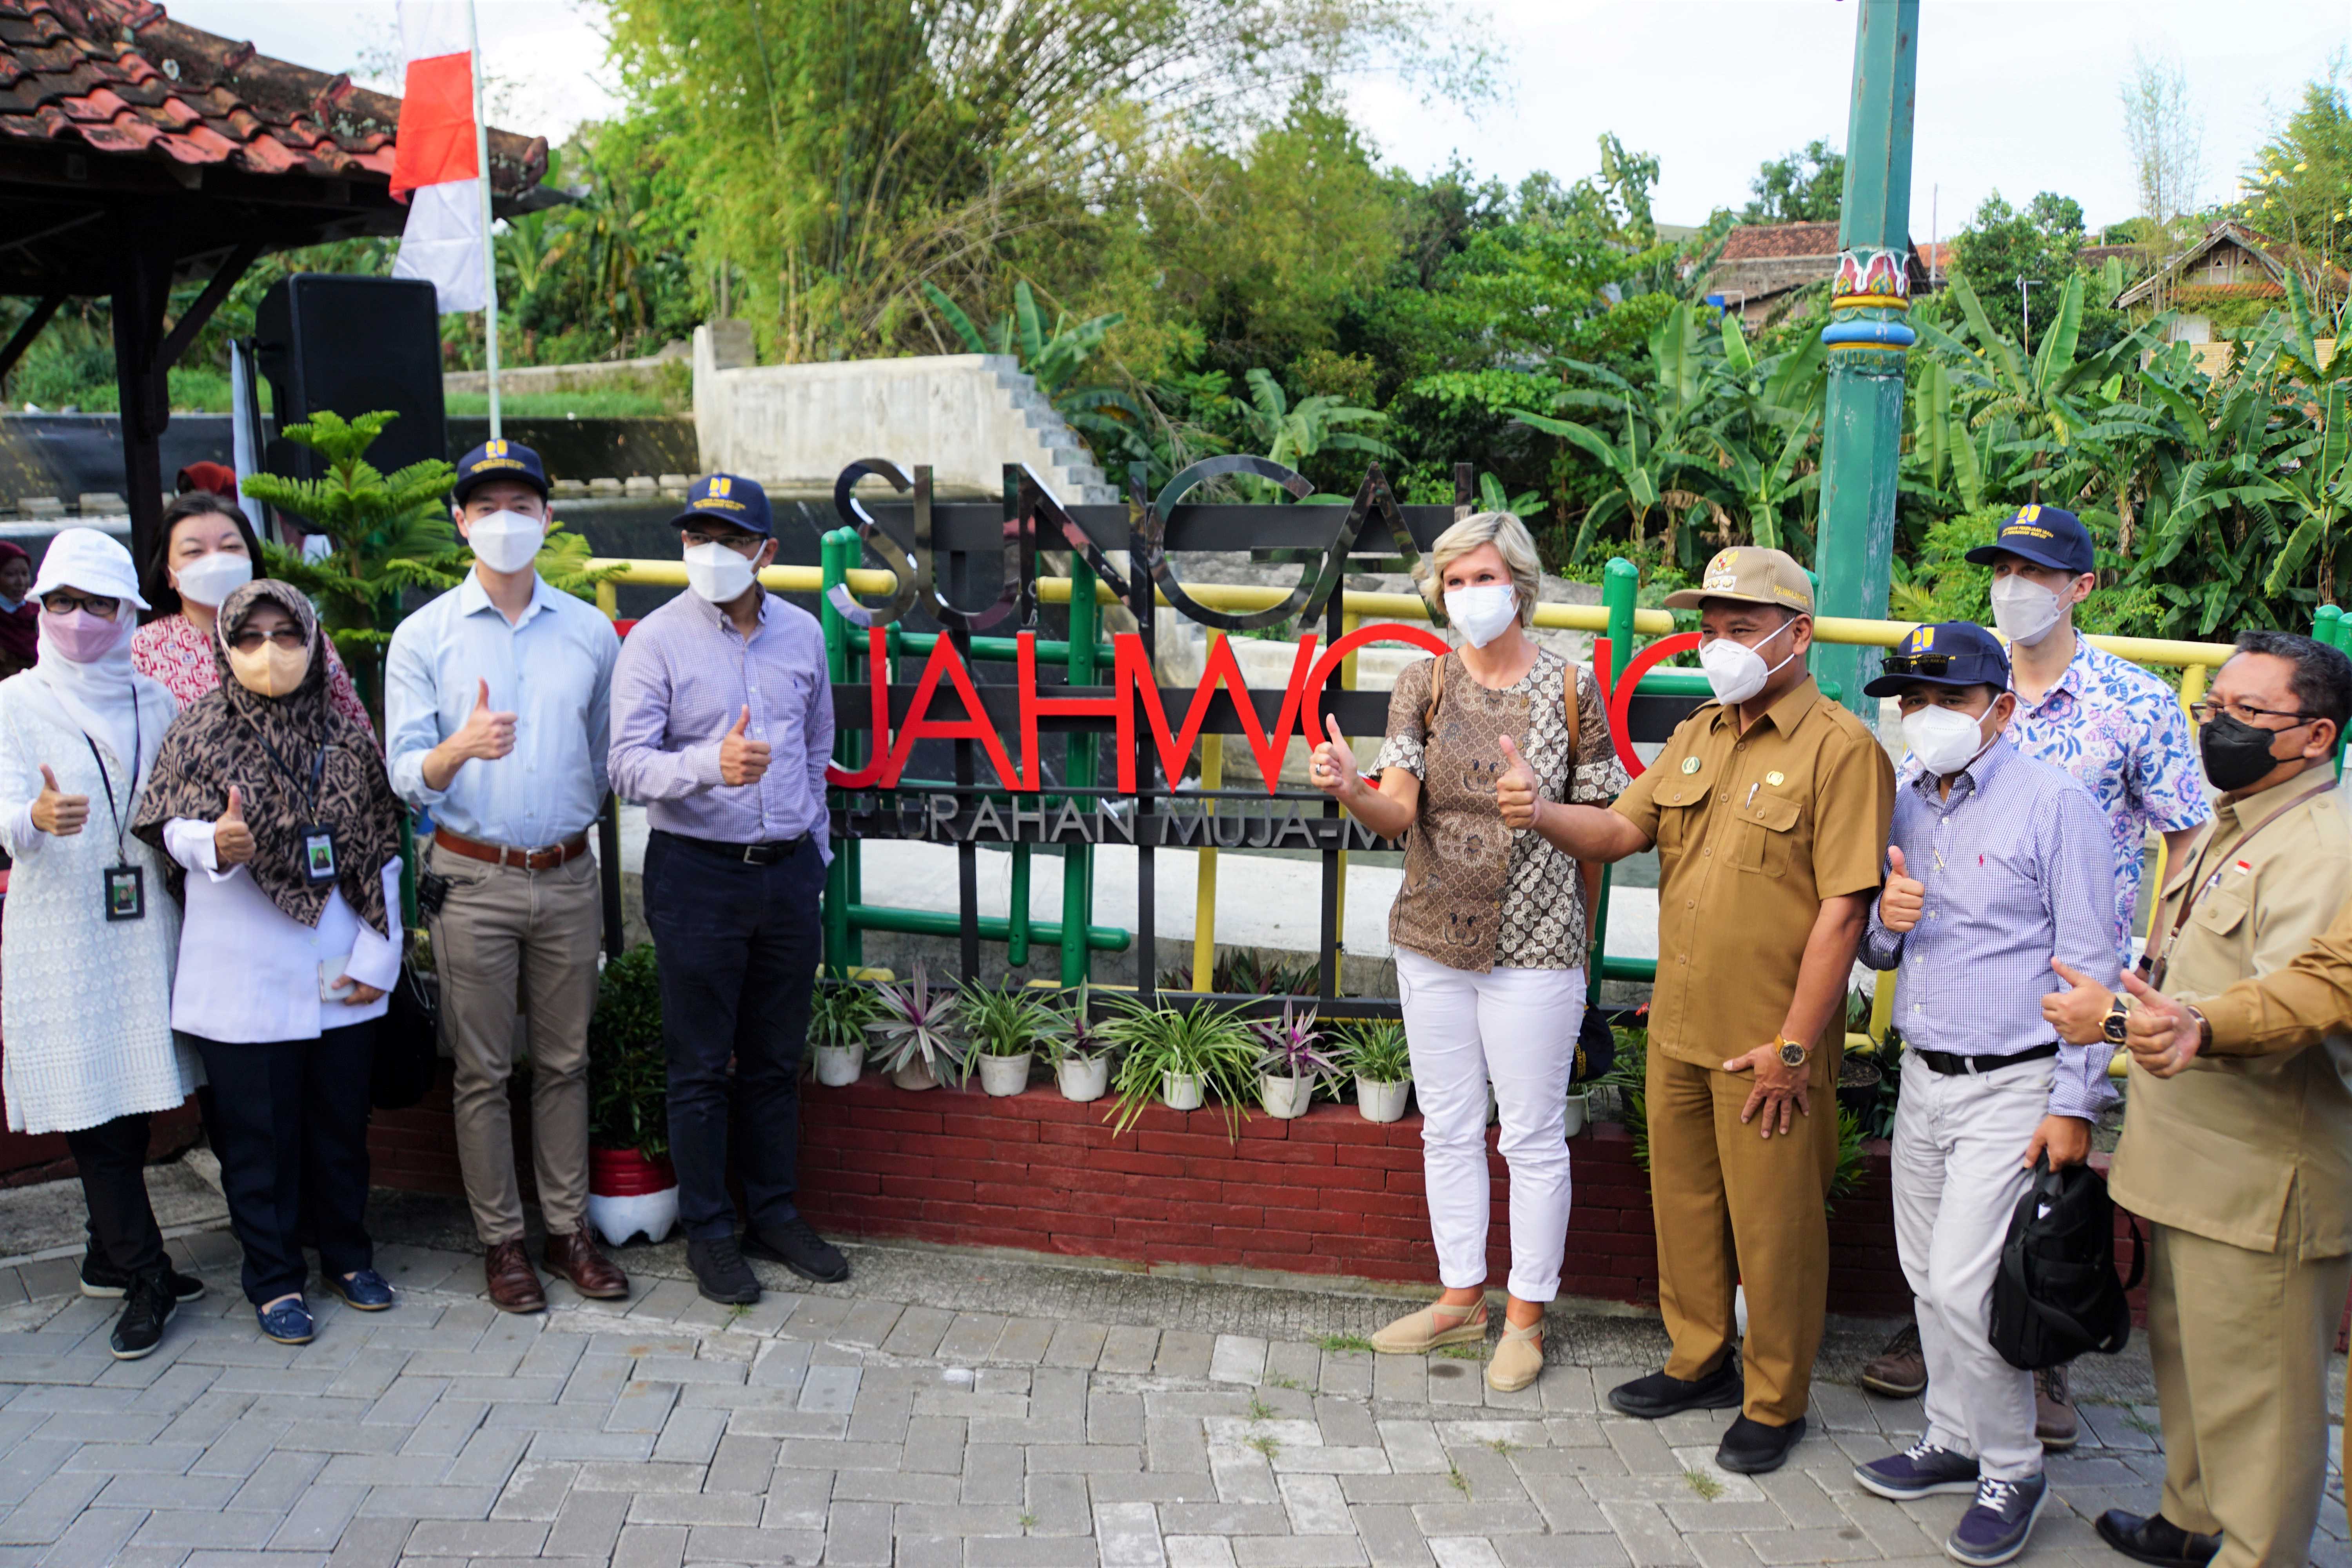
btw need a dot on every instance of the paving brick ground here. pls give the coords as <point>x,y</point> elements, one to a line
<point>842,1428</point>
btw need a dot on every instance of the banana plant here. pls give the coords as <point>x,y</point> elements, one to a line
<point>1054,358</point>
<point>2321,488</point>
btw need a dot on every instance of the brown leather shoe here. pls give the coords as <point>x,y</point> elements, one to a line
<point>1900,1370</point>
<point>575,1257</point>
<point>514,1287</point>
<point>2054,1410</point>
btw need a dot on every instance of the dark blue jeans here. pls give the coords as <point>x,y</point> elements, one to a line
<point>738,950</point>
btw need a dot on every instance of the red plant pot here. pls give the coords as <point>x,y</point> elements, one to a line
<point>625,1173</point>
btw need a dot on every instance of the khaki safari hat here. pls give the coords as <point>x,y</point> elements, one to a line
<point>1750,575</point>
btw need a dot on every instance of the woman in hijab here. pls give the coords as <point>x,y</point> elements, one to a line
<point>276,805</point>
<point>86,1011</point>
<point>208,551</point>
<point>20,617</point>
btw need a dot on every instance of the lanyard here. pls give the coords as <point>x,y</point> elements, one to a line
<point>2163,955</point>
<point>138,743</point>
<point>317,771</point>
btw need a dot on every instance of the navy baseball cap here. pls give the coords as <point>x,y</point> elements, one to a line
<point>727,497</point>
<point>1950,653</point>
<point>2046,535</point>
<point>499,459</point>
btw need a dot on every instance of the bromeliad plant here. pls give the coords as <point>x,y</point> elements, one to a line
<point>1074,1036</point>
<point>916,1028</point>
<point>1203,1042</point>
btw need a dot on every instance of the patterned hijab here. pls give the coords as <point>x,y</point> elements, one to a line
<point>267,746</point>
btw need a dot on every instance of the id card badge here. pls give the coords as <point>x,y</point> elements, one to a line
<point>126,892</point>
<point>318,855</point>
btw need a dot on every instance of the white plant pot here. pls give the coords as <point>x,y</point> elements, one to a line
<point>1003,1075</point>
<point>916,1074</point>
<point>617,1219</point>
<point>1285,1096</point>
<point>1578,1106</point>
<point>1084,1080</point>
<point>1180,1090</point>
<point>1382,1101</point>
<point>837,1067</point>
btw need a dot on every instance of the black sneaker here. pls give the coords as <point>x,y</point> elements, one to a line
<point>103,1281</point>
<point>1757,1447</point>
<point>1658,1395</point>
<point>147,1307</point>
<point>798,1246</point>
<point>720,1270</point>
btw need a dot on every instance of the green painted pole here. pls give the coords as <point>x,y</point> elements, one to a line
<point>1078,769</point>
<point>1862,437</point>
<point>2327,626</point>
<point>834,565</point>
<point>1620,590</point>
<point>992,928</point>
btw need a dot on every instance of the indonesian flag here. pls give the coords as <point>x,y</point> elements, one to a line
<point>436,159</point>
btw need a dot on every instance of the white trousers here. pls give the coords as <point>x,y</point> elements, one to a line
<point>1517,1027</point>
<point>1958,1144</point>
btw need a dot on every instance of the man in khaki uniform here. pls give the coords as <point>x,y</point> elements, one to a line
<point>1770,812</point>
<point>2243,1161</point>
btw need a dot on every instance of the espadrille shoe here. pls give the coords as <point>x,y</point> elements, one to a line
<point>1517,1359</point>
<point>1418,1334</point>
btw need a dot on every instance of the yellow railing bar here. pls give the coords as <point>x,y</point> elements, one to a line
<point>1364,606</point>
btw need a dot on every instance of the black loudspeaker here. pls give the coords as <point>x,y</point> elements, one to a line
<point>353,345</point>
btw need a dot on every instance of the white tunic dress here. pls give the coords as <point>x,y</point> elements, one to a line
<point>86,1009</point>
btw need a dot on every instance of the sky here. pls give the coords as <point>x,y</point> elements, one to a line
<point>2014,96</point>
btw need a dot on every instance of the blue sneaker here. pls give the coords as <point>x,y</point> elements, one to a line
<point>288,1322</point>
<point>1920,1471</point>
<point>1994,1529</point>
<point>365,1291</point>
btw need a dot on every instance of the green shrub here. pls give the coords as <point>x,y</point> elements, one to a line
<point>628,1072</point>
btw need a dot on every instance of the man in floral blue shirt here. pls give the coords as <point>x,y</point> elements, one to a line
<point>2122,733</point>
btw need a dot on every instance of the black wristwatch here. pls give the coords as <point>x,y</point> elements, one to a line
<point>2111,1026</point>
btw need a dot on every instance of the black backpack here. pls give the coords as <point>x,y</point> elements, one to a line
<point>2057,1295</point>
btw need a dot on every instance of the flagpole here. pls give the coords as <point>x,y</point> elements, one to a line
<point>489,258</point>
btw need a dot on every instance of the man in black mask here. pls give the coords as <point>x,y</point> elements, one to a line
<point>2242,1163</point>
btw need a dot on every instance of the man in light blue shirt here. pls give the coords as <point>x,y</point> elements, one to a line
<point>496,721</point>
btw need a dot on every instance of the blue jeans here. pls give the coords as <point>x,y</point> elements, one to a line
<point>738,947</point>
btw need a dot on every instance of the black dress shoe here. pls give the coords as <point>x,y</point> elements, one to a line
<point>796,1244</point>
<point>1659,1395</point>
<point>1753,1449</point>
<point>2156,1539</point>
<point>721,1273</point>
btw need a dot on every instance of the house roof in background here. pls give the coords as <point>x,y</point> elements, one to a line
<point>1762,241</point>
<point>2272,252</point>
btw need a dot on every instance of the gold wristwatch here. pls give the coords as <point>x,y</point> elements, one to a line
<point>1792,1053</point>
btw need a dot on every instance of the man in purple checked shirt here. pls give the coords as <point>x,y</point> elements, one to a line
<point>722,724</point>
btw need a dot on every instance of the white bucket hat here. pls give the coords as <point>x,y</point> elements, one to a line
<point>92,562</point>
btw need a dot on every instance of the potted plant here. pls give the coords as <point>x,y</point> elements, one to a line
<point>915,1025</point>
<point>1078,1052</point>
<point>838,1014</point>
<point>1374,1051</point>
<point>632,1186</point>
<point>1180,1058</point>
<point>1004,1025</point>
<point>1580,1108</point>
<point>1292,1064</point>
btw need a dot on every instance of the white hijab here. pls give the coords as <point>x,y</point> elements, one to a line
<point>101,695</point>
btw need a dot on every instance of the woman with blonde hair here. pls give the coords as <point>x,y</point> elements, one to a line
<point>1489,927</point>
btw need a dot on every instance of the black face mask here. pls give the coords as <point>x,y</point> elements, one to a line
<point>2236,753</point>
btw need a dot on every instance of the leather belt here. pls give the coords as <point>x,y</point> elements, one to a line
<point>546,859</point>
<point>1952,1066</point>
<point>766,854</point>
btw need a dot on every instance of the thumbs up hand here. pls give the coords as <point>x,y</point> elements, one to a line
<point>742,759</point>
<point>232,839</point>
<point>2080,1013</point>
<point>1332,768</point>
<point>1900,901</point>
<point>487,734</point>
<point>1514,791</point>
<point>54,813</point>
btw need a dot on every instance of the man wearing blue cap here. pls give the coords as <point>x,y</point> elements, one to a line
<point>495,718</point>
<point>2120,732</point>
<point>722,725</point>
<point>1999,864</point>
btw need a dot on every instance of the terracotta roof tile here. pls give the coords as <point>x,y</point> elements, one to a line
<point>1756,242</point>
<point>121,76</point>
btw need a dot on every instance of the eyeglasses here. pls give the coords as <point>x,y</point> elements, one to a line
<point>741,543</point>
<point>65,603</point>
<point>2205,711</point>
<point>1929,664</point>
<point>284,637</point>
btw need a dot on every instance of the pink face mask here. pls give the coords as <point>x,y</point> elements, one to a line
<point>81,636</point>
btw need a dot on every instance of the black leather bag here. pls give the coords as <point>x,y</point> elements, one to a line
<point>2056,1296</point>
<point>407,1043</point>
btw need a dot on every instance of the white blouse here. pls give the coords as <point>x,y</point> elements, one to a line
<point>85,1018</point>
<point>249,971</point>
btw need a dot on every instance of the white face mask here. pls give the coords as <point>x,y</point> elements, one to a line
<point>1945,739</point>
<point>506,540</point>
<point>2023,609</point>
<point>1481,612</point>
<point>209,580</point>
<point>1736,671</point>
<point>716,573</point>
